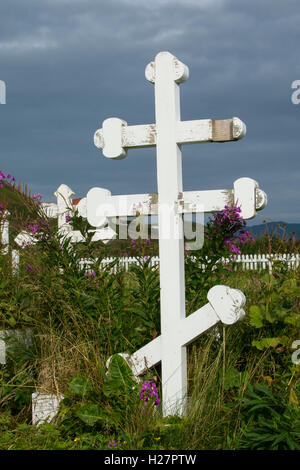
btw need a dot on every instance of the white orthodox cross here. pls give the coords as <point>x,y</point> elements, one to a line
<point>65,207</point>
<point>168,134</point>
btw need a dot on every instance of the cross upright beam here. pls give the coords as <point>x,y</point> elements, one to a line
<point>171,252</point>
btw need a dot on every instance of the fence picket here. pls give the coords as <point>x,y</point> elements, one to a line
<point>247,262</point>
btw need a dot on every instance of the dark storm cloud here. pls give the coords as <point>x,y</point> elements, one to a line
<point>69,65</point>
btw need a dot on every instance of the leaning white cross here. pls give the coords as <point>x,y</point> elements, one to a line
<point>168,134</point>
<point>60,210</point>
<point>64,207</point>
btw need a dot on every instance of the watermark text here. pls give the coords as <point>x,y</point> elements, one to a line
<point>295,98</point>
<point>2,92</point>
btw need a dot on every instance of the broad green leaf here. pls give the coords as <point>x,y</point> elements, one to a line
<point>90,414</point>
<point>269,342</point>
<point>293,397</point>
<point>79,386</point>
<point>256,318</point>
<point>293,319</point>
<point>120,379</point>
<point>12,322</point>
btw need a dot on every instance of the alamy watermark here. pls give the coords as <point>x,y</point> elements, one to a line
<point>172,224</point>
<point>295,98</point>
<point>2,92</point>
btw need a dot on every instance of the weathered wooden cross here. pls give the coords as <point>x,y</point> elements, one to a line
<point>168,134</point>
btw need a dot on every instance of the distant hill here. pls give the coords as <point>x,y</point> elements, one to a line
<point>277,229</point>
<point>273,228</point>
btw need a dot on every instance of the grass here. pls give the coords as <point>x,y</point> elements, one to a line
<point>79,321</point>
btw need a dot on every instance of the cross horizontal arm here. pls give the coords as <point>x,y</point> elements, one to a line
<point>101,205</point>
<point>225,304</point>
<point>210,130</point>
<point>196,323</point>
<point>146,357</point>
<point>116,137</point>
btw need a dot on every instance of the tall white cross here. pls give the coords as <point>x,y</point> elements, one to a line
<point>168,134</point>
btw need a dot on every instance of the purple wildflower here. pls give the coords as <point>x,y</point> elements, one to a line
<point>68,218</point>
<point>90,273</point>
<point>37,197</point>
<point>112,443</point>
<point>148,391</point>
<point>34,228</point>
<point>235,249</point>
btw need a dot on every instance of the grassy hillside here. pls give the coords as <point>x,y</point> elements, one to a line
<point>23,209</point>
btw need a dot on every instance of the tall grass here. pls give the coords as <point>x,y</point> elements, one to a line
<point>80,319</point>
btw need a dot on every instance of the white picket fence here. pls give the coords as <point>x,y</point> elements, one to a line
<point>245,262</point>
<point>265,261</point>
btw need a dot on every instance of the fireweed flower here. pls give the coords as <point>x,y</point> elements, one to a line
<point>90,274</point>
<point>148,391</point>
<point>226,224</point>
<point>34,228</point>
<point>37,197</point>
<point>133,245</point>
<point>3,176</point>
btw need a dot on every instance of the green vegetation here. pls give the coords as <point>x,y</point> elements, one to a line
<point>243,385</point>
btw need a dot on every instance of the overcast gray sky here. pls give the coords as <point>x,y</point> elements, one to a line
<point>70,64</point>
